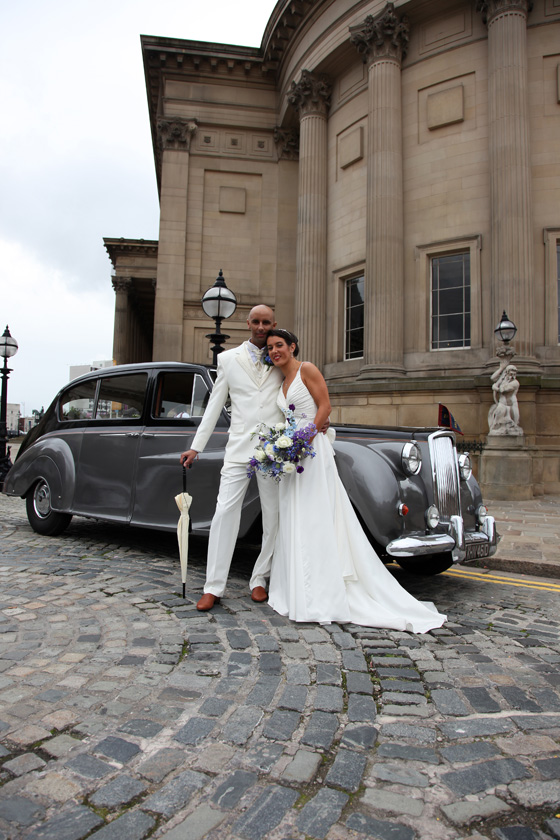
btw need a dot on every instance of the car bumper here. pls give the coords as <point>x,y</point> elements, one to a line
<point>465,546</point>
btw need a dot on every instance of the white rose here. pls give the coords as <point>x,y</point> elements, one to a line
<point>259,455</point>
<point>269,450</point>
<point>284,442</point>
<point>280,426</point>
<point>289,468</point>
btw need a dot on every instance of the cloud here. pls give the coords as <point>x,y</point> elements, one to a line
<point>76,164</point>
<point>56,324</point>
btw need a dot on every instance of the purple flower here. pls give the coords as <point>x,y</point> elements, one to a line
<point>299,469</point>
<point>292,407</point>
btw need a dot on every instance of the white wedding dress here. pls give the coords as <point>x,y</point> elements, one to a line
<point>324,568</point>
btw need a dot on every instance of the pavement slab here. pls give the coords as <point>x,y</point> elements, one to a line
<point>127,713</point>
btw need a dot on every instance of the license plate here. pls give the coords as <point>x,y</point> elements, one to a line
<point>477,550</point>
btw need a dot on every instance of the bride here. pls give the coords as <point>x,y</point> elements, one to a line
<point>324,568</point>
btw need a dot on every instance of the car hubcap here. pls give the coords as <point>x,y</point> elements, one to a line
<point>42,499</point>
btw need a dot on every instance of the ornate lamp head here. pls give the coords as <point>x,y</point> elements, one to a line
<point>506,329</point>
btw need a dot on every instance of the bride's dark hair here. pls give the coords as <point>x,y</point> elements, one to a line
<point>288,337</point>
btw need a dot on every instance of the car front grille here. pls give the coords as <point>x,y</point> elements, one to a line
<point>444,470</point>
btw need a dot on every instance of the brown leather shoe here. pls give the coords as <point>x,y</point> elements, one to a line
<point>259,594</point>
<point>207,602</point>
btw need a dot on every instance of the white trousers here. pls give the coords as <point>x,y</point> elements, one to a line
<point>225,527</point>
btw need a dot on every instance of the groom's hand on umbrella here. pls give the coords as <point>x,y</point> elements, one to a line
<point>187,458</point>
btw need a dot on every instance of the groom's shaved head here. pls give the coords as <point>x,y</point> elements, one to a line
<point>261,319</point>
<point>259,310</point>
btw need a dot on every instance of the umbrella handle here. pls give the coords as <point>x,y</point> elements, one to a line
<point>184,479</point>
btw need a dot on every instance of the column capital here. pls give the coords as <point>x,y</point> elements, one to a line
<point>491,9</point>
<point>384,35</point>
<point>287,143</point>
<point>176,133</point>
<point>311,95</point>
<point>121,284</point>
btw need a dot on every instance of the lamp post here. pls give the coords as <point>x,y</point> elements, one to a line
<point>8,347</point>
<point>218,302</point>
<point>503,417</point>
<point>506,329</point>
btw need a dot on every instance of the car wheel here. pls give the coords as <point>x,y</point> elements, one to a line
<point>42,518</point>
<point>432,564</point>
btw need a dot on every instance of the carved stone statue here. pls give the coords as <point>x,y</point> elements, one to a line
<point>503,417</point>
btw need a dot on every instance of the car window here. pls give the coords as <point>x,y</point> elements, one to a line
<point>180,394</point>
<point>121,397</point>
<point>77,402</point>
<point>201,395</point>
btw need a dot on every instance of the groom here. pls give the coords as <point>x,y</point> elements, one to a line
<point>252,387</point>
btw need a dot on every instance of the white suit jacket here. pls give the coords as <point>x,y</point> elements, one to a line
<point>253,401</point>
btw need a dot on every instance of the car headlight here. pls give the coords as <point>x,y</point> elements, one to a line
<point>465,466</point>
<point>411,458</point>
<point>432,517</point>
<point>481,514</point>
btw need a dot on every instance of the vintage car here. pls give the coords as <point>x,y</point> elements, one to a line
<point>108,448</point>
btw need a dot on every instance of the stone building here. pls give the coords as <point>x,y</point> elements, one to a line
<point>387,176</point>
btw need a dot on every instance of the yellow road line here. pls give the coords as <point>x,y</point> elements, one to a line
<point>549,587</point>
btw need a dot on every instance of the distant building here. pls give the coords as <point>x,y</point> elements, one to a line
<point>386,176</point>
<point>13,413</point>
<point>83,407</point>
<point>79,370</point>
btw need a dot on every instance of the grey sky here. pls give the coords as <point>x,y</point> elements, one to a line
<point>76,164</point>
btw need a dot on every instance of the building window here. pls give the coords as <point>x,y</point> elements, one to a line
<point>354,318</point>
<point>552,286</point>
<point>451,301</point>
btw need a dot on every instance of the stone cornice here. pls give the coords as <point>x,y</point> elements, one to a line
<point>311,95</point>
<point>381,36</point>
<point>287,143</point>
<point>176,133</point>
<point>129,247</point>
<point>490,9</point>
<point>176,58</point>
<point>285,21</point>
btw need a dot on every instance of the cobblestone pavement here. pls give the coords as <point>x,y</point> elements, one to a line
<point>125,713</point>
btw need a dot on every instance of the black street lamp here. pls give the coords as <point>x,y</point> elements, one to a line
<point>506,329</point>
<point>218,302</point>
<point>8,347</point>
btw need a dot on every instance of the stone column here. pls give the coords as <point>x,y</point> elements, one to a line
<point>510,168</point>
<point>175,136</point>
<point>382,41</point>
<point>311,98</point>
<point>121,348</point>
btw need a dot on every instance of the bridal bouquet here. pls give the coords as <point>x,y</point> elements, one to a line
<point>282,448</point>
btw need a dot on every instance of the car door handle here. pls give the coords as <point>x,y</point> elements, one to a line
<point>133,434</point>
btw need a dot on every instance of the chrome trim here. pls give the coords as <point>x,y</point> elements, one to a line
<point>405,457</point>
<point>489,528</point>
<point>445,475</point>
<point>458,533</point>
<point>416,546</point>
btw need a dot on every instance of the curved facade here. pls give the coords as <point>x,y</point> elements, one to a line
<point>387,176</point>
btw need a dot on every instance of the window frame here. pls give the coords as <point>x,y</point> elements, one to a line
<point>442,248</point>
<point>359,275</point>
<point>551,237</point>
<point>439,316</point>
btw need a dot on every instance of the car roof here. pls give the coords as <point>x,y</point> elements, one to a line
<point>137,367</point>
